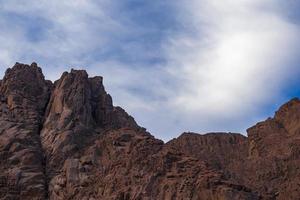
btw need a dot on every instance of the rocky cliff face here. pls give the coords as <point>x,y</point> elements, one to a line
<point>24,96</point>
<point>66,140</point>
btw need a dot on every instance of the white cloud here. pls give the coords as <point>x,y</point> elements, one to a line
<point>74,28</point>
<point>229,60</point>
<point>236,59</point>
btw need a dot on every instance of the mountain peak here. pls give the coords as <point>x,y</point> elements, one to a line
<point>66,140</point>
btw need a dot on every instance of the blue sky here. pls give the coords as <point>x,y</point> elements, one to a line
<point>197,65</point>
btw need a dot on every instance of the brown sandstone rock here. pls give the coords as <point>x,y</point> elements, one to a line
<point>274,153</point>
<point>78,108</point>
<point>24,95</point>
<point>67,141</point>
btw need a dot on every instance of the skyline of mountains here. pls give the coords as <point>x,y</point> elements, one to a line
<point>66,140</point>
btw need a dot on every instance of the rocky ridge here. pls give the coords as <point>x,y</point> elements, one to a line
<point>66,140</point>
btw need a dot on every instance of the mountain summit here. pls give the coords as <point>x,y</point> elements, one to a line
<point>66,140</point>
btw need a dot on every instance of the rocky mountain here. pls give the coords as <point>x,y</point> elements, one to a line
<point>66,140</point>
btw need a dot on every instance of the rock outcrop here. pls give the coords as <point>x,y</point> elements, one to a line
<point>267,161</point>
<point>274,153</point>
<point>78,108</point>
<point>66,140</point>
<point>24,95</point>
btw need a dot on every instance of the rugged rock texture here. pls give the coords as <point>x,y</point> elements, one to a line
<point>222,151</point>
<point>274,153</point>
<point>24,94</point>
<point>66,140</point>
<point>268,161</point>
<point>78,108</point>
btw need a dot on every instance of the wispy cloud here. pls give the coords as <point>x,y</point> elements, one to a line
<point>197,65</point>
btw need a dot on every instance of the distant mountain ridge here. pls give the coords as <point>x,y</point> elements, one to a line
<point>66,140</point>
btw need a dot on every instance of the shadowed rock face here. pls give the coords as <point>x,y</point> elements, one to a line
<point>66,140</point>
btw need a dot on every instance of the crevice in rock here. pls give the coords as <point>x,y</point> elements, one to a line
<point>44,161</point>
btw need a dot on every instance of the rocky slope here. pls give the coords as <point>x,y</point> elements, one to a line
<point>66,140</point>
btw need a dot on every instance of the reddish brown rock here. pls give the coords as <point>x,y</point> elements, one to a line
<point>67,141</point>
<point>78,108</point>
<point>268,161</point>
<point>88,155</point>
<point>126,164</point>
<point>274,154</point>
<point>220,150</point>
<point>24,95</point>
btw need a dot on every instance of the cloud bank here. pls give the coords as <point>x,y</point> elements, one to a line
<point>197,65</point>
<point>237,57</point>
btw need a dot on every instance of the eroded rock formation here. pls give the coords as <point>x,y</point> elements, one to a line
<point>66,140</point>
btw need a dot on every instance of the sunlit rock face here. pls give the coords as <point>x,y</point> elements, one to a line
<point>66,140</point>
